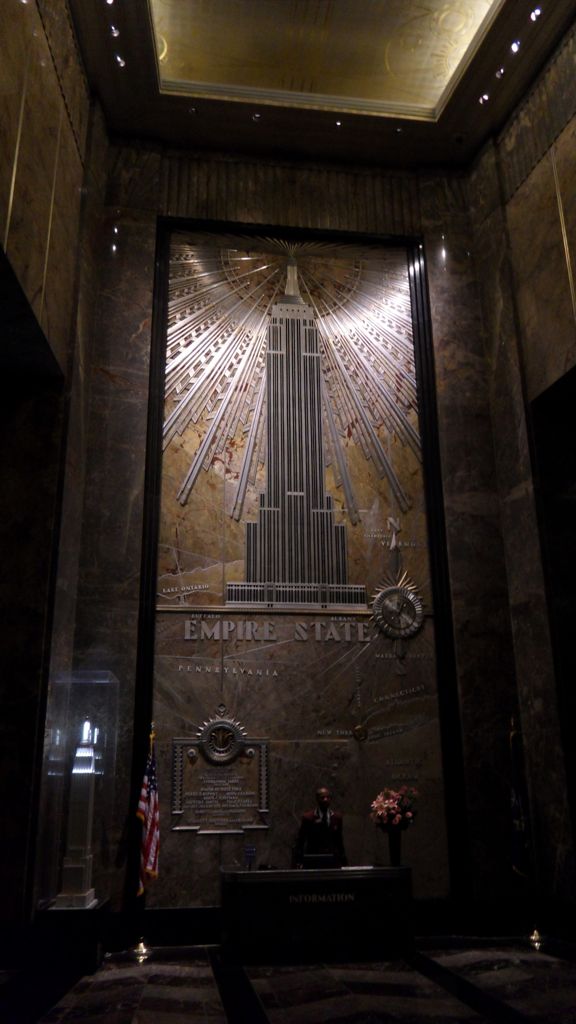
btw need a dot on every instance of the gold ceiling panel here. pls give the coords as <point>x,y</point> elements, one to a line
<point>384,57</point>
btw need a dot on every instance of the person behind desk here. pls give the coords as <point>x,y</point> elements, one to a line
<point>320,842</point>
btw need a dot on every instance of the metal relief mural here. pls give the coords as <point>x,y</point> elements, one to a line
<point>293,589</point>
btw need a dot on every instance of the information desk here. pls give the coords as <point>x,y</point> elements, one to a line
<point>348,913</point>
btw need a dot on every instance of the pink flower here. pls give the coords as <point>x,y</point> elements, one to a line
<point>394,807</point>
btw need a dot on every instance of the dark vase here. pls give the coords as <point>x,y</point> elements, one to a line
<point>395,844</point>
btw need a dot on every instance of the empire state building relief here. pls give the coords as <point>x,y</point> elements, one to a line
<point>291,422</point>
<point>295,552</point>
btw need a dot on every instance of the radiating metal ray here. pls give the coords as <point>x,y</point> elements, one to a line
<point>235,385</point>
<point>220,294</point>
<point>361,422</point>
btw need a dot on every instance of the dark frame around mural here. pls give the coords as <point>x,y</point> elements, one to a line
<point>445,658</point>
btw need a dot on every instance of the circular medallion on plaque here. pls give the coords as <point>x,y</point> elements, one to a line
<point>221,739</point>
<point>397,608</point>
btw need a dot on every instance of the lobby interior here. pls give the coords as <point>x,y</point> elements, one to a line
<point>124,126</point>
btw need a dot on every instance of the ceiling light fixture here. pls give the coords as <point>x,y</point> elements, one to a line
<point>500,73</point>
<point>120,61</point>
<point>115,32</point>
<point>484,98</point>
<point>515,46</point>
<point>338,124</point>
<point>256,117</point>
<point>535,14</point>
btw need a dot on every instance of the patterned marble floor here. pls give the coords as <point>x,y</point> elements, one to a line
<point>537,984</point>
<point>479,984</point>
<point>356,994</point>
<point>176,986</point>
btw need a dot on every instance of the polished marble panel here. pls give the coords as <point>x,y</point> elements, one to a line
<point>505,338</point>
<point>267,192</point>
<point>53,787</point>
<point>540,117</point>
<point>29,223</point>
<point>63,47</point>
<point>541,278</point>
<point>110,559</point>
<point>475,551</point>
<point>61,281</point>
<point>16,23</point>
<point>564,155</point>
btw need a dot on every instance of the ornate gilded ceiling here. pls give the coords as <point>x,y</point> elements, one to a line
<point>378,57</point>
<point>397,83</point>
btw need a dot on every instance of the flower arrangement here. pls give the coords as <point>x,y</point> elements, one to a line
<point>394,807</point>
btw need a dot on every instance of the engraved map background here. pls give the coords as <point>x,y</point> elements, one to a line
<point>336,700</point>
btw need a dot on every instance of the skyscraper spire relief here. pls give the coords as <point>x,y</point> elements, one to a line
<point>295,551</point>
<point>290,420</point>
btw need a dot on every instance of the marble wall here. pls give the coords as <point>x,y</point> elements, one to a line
<point>475,552</point>
<point>536,170</point>
<point>487,347</point>
<point>522,209</point>
<point>44,110</point>
<point>108,602</point>
<point>144,182</point>
<point>541,221</point>
<point>61,655</point>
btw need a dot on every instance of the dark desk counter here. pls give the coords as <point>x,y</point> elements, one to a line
<point>327,914</point>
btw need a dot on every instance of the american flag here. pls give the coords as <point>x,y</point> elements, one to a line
<point>149,813</point>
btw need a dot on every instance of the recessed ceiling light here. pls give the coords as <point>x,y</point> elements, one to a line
<point>500,73</point>
<point>398,130</point>
<point>338,124</point>
<point>120,61</point>
<point>484,98</point>
<point>256,117</point>
<point>115,32</point>
<point>515,46</point>
<point>535,14</point>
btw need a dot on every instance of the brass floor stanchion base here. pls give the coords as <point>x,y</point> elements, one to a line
<point>141,951</point>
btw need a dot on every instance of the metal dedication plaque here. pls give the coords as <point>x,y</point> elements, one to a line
<point>220,779</point>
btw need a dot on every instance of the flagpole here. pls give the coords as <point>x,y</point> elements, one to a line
<point>149,813</point>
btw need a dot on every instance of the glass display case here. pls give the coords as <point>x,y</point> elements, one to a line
<point>77,791</point>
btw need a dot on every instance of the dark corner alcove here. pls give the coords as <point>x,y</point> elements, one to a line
<point>31,426</point>
<point>553,417</point>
